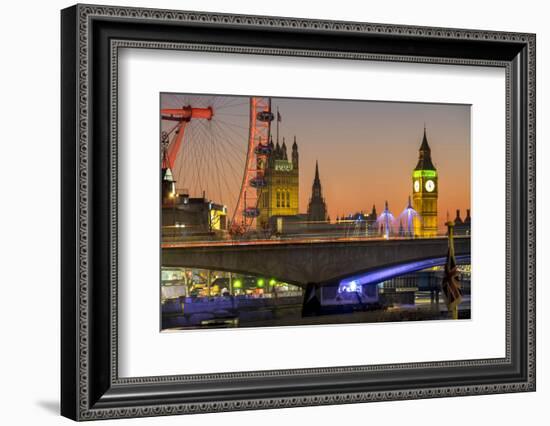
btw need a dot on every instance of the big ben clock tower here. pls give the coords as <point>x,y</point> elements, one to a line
<point>425,189</point>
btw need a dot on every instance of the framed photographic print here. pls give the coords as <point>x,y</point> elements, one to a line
<point>263,212</point>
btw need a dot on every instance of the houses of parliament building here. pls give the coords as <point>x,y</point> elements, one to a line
<point>279,200</point>
<point>280,197</point>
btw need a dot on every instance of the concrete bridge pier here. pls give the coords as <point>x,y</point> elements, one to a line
<point>311,305</point>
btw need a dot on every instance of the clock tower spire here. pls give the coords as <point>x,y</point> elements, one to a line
<point>425,192</point>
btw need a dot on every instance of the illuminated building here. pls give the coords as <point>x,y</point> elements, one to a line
<point>183,216</point>
<point>168,187</point>
<point>425,192</point>
<point>280,195</point>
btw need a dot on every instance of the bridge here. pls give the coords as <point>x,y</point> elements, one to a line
<point>301,262</point>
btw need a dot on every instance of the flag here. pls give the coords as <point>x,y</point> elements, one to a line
<point>451,285</point>
<point>279,118</point>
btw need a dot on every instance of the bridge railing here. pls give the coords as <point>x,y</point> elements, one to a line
<point>213,241</point>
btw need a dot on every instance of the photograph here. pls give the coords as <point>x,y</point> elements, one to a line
<point>280,211</point>
<point>273,208</point>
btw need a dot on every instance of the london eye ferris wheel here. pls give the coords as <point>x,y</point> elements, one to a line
<point>217,146</point>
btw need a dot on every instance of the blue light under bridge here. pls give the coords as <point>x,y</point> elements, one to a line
<point>376,276</point>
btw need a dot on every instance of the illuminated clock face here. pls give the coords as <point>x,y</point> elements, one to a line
<point>416,185</point>
<point>430,185</point>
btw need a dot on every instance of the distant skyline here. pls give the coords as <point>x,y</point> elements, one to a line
<point>366,150</point>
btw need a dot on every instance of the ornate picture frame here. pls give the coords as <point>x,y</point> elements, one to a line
<point>91,37</point>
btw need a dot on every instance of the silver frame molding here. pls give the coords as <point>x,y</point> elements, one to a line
<point>91,39</point>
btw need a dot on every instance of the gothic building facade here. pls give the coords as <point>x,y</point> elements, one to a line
<point>280,196</point>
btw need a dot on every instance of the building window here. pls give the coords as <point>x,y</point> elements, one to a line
<point>288,198</point>
<point>278,198</point>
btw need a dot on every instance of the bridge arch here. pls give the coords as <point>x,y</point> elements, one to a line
<point>387,272</point>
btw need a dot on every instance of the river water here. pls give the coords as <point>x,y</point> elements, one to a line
<point>252,302</point>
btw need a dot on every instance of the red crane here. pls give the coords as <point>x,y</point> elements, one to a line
<point>183,116</point>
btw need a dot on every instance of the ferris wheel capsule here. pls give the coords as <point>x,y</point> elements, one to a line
<point>251,212</point>
<point>258,182</point>
<point>265,116</point>
<point>262,149</point>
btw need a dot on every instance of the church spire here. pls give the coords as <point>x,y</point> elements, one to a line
<point>277,151</point>
<point>284,155</point>
<point>317,209</point>
<point>295,158</point>
<point>458,219</point>
<point>468,219</point>
<point>316,172</point>
<point>271,157</point>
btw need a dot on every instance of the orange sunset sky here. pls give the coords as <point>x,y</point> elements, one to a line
<point>366,150</point>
